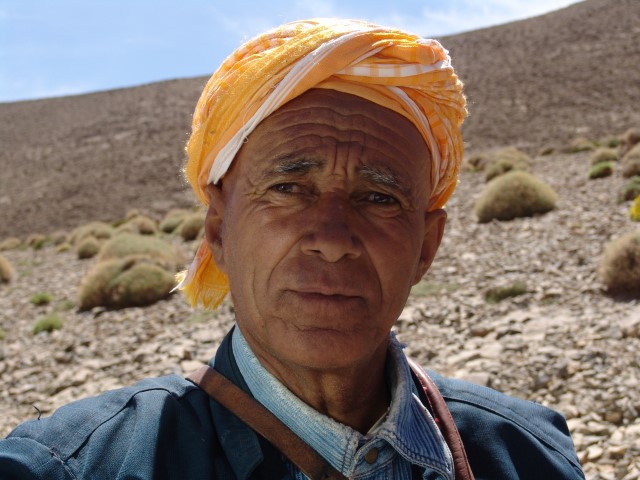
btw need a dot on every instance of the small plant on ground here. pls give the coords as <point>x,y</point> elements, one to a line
<point>173,219</point>
<point>127,244</point>
<point>141,224</point>
<point>3,334</point>
<point>10,243</point>
<point>612,141</point>
<point>513,195</point>
<point>125,282</point>
<point>63,247</point>
<point>631,189</point>
<point>6,270</point>
<point>505,160</point>
<point>634,210</point>
<point>99,230</point>
<point>41,298</point>
<point>192,226</point>
<point>544,151</point>
<point>476,162</point>
<point>601,170</point>
<point>497,294</point>
<point>36,241</point>
<point>580,144</point>
<point>631,162</point>
<point>619,268</point>
<point>603,155</point>
<point>88,247</point>
<point>48,323</point>
<point>628,141</point>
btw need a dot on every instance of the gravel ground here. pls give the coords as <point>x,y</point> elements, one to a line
<point>564,343</point>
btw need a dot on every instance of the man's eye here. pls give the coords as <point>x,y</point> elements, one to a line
<point>381,198</point>
<point>285,188</point>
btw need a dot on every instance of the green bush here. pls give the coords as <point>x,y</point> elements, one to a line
<point>192,225</point>
<point>634,210</point>
<point>545,151</point>
<point>612,141</point>
<point>172,220</point>
<point>99,230</point>
<point>6,270</point>
<point>497,294</point>
<point>41,298</point>
<point>513,195</point>
<point>631,162</point>
<point>3,334</point>
<point>36,241</point>
<point>601,170</point>
<point>59,237</point>
<point>631,189</point>
<point>580,144</point>
<point>505,160</point>
<point>10,243</point>
<point>63,247</point>
<point>140,224</point>
<point>476,162</point>
<point>619,268</point>
<point>48,324</point>
<point>88,247</point>
<point>125,282</point>
<point>603,155</point>
<point>127,244</point>
<point>629,140</point>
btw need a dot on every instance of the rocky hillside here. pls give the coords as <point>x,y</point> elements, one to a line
<point>535,82</point>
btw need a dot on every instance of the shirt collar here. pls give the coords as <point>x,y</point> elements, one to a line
<point>408,426</point>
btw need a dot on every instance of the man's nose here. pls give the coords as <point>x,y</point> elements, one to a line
<point>331,233</point>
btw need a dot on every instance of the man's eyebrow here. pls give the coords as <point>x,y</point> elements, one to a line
<point>287,165</point>
<point>385,177</point>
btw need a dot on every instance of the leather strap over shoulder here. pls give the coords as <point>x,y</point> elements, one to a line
<point>445,423</point>
<point>254,414</point>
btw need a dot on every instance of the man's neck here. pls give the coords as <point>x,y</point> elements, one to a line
<point>357,396</point>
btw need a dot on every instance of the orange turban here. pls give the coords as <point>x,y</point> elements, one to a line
<point>405,73</point>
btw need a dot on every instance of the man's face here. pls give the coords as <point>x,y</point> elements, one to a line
<point>321,228</point>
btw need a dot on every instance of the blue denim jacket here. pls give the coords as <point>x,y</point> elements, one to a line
<point>167,428</point>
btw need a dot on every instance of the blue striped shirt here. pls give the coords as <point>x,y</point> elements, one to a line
<point>406,436</point>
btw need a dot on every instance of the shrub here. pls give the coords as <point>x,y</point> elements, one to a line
<point>88,247</point>
<point>59,237</point>
<point>99,230</point>
<point>497,294</point>
<point>41,298</point>
<point>629,140</point>
<point>513,195</point>
<point>48,324</point>
<point>127,244</point>
<point>544,151</point>
<point>125,282</point>
<point>36,241</point>
<point>10,243</point>
<point>631,189</point>
<point>172,220</point>
<point>580,144</point>
<point>476,162</point>
<point>6,270</point>
<point>612,141</point>
<point>3,334</point>
<point>191,226</point>
<point>619,268</point>
<point>631,162</point>
<point>141,224</point>
<point>603,155</point>
<point>634,210</point>
<point>505,160</point>
<point>63,247</point>
<point>601,170</point>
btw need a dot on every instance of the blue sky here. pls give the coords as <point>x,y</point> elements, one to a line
<point>62,47</point>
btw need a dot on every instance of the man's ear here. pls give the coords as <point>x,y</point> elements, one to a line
<point>434,223</point>
<point>213,223</point>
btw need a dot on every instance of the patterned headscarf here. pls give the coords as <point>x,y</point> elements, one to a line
<point>405,73</point>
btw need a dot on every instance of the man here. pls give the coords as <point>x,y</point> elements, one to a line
<point>325,151</point>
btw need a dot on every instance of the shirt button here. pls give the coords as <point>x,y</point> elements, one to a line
<point>371,456</point>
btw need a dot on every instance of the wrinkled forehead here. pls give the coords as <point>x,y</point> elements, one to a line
<point>321,126</point>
